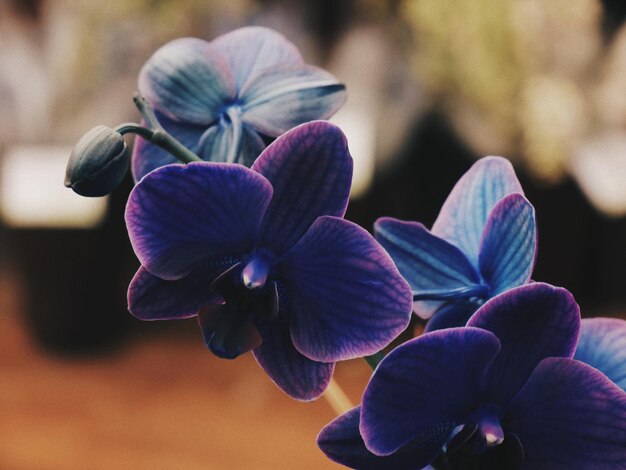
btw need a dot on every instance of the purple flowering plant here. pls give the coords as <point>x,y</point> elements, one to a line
<point>223,99</point>
<point>458,394</point>
<point>237,220</point>
<point>482,244</point>
<point>264,259</point>
<point>602,344</point>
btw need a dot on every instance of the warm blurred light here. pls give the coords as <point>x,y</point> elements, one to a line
<point>383,99</point>
<point>523,78</point>
<point>32,194</point>
<point>553,118</point>
<point>599,166</point>
<point>360,130</point>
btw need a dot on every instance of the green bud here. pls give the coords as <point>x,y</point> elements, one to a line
<point>98,163</point>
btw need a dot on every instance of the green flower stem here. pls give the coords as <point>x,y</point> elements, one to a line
<point>166,141</point>
<point>337,398</point>
<point>374,359</point>
<point>162,138</point>
<point>155,133</point>
<point>132,128</point>
<point>147,112</point>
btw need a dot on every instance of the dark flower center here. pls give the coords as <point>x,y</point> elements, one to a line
<point>482,444</point>
<point>249,299</point>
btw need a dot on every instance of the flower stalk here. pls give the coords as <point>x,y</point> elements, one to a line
<point>155,133</point>
<point>337,398</point>
<point>374,359</point>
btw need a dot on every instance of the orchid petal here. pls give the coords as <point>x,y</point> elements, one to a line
<point>452,315</point>
<point>216,143</point>
<point>507,249</point>
<point>299,377</point>
<point>188,81</point>
<point>465,211</point>
<point>602,344</point>
<point>252,49</point>
<point>345,297</point>
<point>223,143</point>
<point>428,263</point>
<point>283,97</point>
<point>228,332</point>
<point>533,322</point>
<point>569,415</point>
<point>173,234</point>
<point>147,156</point>
<point>424,388</point>
<point>152,298</point>
<point>310,169</point>
<point>252,145</point>
<point>341,441</point>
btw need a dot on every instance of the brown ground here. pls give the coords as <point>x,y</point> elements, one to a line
<point>162,402</point>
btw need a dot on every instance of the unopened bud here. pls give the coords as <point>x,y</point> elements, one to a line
<point>98,162</point>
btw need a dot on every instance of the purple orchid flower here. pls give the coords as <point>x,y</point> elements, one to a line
<point>602,344</point>
<point>221,98</point>
<point>264,259</point>
<point>482,243</point>
<point>503,392</point>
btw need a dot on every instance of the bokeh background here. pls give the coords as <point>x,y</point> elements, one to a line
<point>433,85</point>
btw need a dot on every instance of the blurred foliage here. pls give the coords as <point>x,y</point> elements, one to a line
<point>518,74</point>
<point>115,40</point>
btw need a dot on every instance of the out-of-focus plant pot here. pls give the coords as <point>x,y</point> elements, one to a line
<point>75,283</point>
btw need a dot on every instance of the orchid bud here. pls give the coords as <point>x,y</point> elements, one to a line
<point>98,163</point>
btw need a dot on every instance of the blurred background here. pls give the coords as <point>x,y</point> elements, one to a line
<point>433,85</point>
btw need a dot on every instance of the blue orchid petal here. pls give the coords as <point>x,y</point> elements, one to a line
<point>341,441</point>
<point>533,322</point>
<point>602,344</point>
<point>188,80</point>
<point>430,264</point>
<point>464,213</point>
<point>252,49</point>
<point>147,157</point>
<point>180,216</point>
<point>283,97</point>
<point>345,297</point>
<point>569,415</point>
<point>217,142</point>
<point>507,251</point>
<point>452,315</point>
<point>310,169</point>
<point>298,376</point>
<point>231,143</point>
<point>252,145</point>
<point>153,298</point>
<point>425,386</point>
